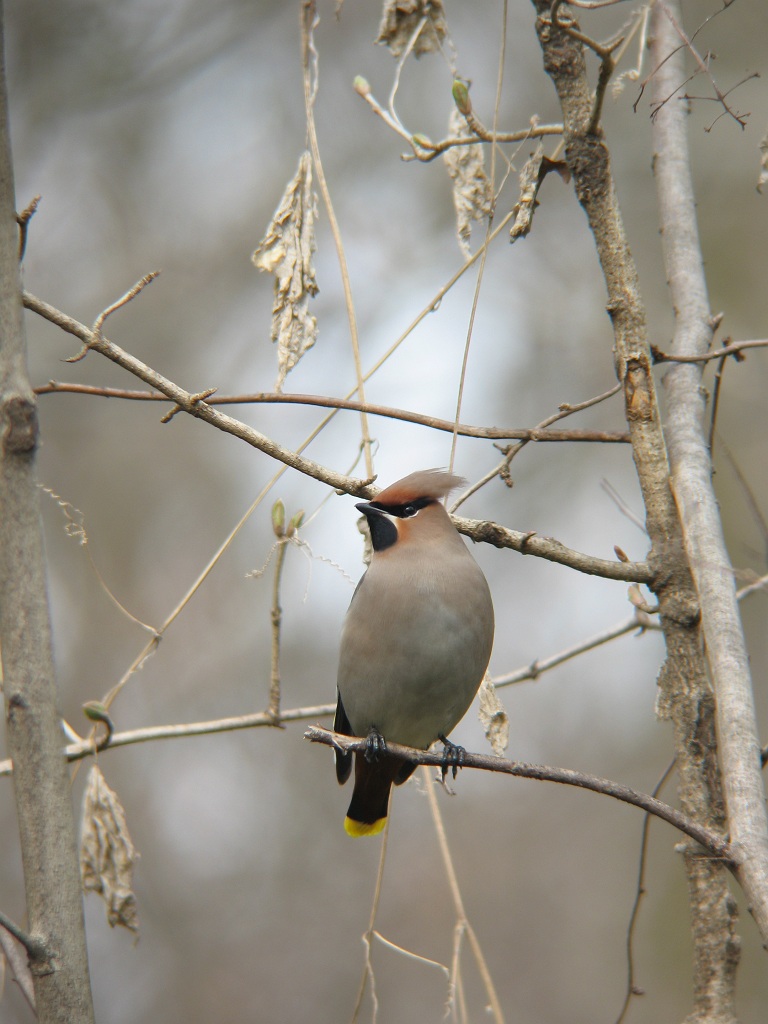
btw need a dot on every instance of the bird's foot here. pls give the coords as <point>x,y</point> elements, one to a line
<point>453,757</point>
<point>375,746</point>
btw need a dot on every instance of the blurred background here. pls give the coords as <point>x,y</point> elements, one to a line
<point>161,136</point>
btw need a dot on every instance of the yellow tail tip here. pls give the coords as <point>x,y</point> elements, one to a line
<point>362,828</point>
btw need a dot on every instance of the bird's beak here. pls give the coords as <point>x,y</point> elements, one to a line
<point>368,509</point>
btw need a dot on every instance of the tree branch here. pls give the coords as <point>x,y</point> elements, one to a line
<point>684,691</point>
<point>546,547</point>
<point>713,843</point>
<point>19,965</point>
<point>731,349</point>
<point>88,746</point>
<point>328,402</point>
<point>477,530</point>
<point>41,782</point>
<point>192,404</point>
<point>37,948</point>
<point>691,468</point>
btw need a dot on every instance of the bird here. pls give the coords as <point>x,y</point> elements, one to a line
<point>415,645</point>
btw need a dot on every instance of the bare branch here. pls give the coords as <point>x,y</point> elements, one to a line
<point>713,843</point>
<point>632,989</point>
<point>691,469</point>
<point>732,349</point>
<point>545,547</point>
<point>637,624</point>
<point>502,469</point>
<point>684,693</point>
<point>673,84</point>
<point>35,945</point>
<point>309,60</point>
<point>463,924</point>
<point>23,220</point>
<point>191,403</point>
<point>87,747</point>
<point>327,402</point>
<point>426,150</point>
<point>19,964</point>
<point>487,532</point>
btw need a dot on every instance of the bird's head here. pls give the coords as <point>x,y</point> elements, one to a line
<point>410,509</point>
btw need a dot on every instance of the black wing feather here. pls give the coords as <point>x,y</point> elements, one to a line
<point>343,760</point>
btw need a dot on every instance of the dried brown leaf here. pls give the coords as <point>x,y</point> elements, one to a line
<point>107,854</point>
<point>286,252</point>
<point>493,718</point>
<point>471,186</point>
<point>401,18</point>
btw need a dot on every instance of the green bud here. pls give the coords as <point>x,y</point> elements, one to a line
<point>461,98</point>
<point>95,711</point>
<point>361,86</point>
<point>295,523</point>
<point>278,518</point>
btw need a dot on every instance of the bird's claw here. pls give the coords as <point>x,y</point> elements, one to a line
<point>375,746</point>
<point>453,757</point>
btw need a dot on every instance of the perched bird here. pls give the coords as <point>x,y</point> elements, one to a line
<point>416,641</point>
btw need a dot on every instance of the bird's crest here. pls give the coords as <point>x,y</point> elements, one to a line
<point>426,483</point>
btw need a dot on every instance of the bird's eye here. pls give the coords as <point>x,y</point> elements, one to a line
<point>410,510</point>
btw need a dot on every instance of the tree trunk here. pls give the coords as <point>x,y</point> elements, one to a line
<point>58,960</point>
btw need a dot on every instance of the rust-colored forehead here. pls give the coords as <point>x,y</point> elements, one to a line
<point>427,483</point>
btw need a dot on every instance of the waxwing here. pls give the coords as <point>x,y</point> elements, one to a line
<point>416,641</point>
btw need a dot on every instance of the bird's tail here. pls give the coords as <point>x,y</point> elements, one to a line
<point>368,809</point>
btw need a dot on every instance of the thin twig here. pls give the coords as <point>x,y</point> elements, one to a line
<point>368,974</point>
<point>23,219</point>
<point>638,624</point>
<point>728,350</point>
<point>486,532</point>
<point>102,317</point>
<point>752,503</point>
<point>327,402</point>
<point>715,844</point>
<point>425,150</point>
<point>276,616</point>
<point>309,61</point>
<point>622,506</point>
<point>190,402</point>
<point>463,921</point>
<point>593,5</point>
<point>35,945</point>
<point>86,747</point>
<point>488,229</point>
<point>719,371</point>
<point>566,409</point>
<point>702,66</point>
<point>752,588</point>
<point>632,989</point>
<point>18,962</point>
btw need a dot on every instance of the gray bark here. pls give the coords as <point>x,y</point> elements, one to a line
<point>59,962</point>
<point>691,469</point>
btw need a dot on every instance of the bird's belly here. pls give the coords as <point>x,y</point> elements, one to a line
<point>418,691</point>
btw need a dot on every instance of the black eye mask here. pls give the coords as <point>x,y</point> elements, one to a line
<point>405,511</point>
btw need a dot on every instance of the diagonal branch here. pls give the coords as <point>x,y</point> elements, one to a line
<point>195,405</point>
<point>191,403</point>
